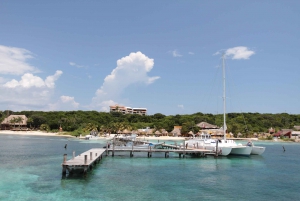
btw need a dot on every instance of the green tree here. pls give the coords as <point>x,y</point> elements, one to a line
<point>45,127</point>
<point>30,121</point>
<point>19,120</point>
<point>13,121</point>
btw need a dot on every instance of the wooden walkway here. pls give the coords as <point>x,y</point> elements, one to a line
<point>86,160</point>
<point>83,161</point>
<point>149,151</point>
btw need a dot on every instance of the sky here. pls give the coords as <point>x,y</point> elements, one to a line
<point>165,56</point>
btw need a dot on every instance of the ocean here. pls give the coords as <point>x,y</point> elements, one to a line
<point>30,169</point>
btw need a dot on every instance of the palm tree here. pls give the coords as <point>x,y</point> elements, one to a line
<point>13,121</point>
<point>19,120</point>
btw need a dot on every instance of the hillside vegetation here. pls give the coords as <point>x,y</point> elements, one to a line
<point>85,121</point>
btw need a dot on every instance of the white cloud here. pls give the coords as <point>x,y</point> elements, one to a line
<point>70,100</point>
<point>191,53</point>
<point>131,69</point>
<point>180,106</point>
<point>76,65</point>
<point>217,53</point>
<point>28,93</point>
<point>240,52</point>
<point>66,103</point>
<point>13,61</point>
<point>50,80</point>
<point>175,53</point>
<point>28,80</point>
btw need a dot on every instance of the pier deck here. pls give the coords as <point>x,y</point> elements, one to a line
<point>83,161</point>
<point>149,151</point>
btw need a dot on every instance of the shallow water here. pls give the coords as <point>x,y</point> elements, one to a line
<point>31,169</point>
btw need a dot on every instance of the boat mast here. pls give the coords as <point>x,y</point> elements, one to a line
<point>224,96</point>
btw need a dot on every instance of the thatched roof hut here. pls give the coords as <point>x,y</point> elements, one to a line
<point>176,131</point>
<point>157,132</point>
<point>205,125</point>
<point>14,120</point>
<point>126,131</point>
<point>191,133</point>
<point>9,120</point>
<point>164,132</point>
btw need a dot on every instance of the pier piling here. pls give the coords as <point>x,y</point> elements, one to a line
<point>85,159</point>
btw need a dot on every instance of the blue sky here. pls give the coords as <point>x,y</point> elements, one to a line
<point>161,55</point>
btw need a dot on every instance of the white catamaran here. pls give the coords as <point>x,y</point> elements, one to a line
<point>225,146</point>
<point>237,149</point>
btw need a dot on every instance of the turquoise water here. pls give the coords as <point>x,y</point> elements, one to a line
<point>30,169</point>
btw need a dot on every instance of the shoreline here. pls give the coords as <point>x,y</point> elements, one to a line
<point>41,133</point>
<point>32,133</point>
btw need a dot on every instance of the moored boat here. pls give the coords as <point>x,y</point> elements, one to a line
<point>256,150</point>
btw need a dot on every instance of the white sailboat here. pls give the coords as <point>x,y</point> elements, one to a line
<point>237,149</point>
<point>204,141</point>
<point>225,146</point>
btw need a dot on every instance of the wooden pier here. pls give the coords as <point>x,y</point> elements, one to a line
<point>149,152</point>
<point>180,150</point>
<point>82,162</point>
<point>85,161</point>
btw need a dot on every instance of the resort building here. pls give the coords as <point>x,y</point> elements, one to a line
<point>14,122</point>
<point>128,110</point>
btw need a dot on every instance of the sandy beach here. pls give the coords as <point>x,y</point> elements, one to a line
<point>33,133</point>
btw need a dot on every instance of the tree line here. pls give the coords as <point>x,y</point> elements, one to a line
<point>79,122</point>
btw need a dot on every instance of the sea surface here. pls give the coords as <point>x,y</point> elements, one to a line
<point>30,169</point>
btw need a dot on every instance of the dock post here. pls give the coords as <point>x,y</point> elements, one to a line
<point>73,154</point>
<point>179,155</point>
<point>106,148</point>
<point>113,153</point>
<point>65,158</point>
<point>197,145</point>
<point>216,155</point>
<point>91,155</point>
<point>131,153</point>
<point>185,147</point>
<point>64,169</point>
<point>150,152</point>
<point>85,170</point>
<point>85,159</point>
<point>166,154</point>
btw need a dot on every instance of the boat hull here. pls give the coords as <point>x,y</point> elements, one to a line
<point>241,151</point>
<point>222,151</point>
<point>257,150</point>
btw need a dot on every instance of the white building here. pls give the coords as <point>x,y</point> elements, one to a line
<point>128,110</point>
